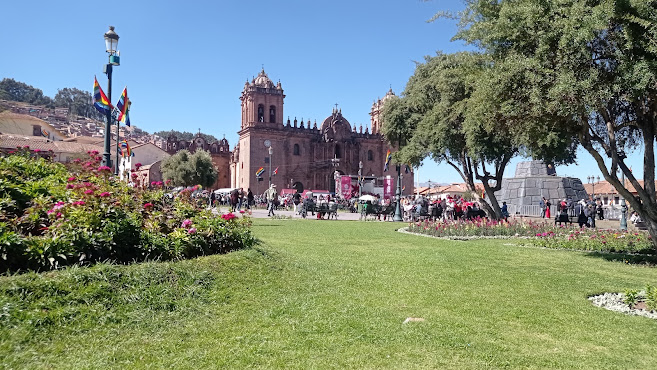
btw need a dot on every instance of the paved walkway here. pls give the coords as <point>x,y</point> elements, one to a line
<point>347,216</point>
<point>262,213</point>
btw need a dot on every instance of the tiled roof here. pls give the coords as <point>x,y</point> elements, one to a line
<point>604,187</point>
<point>43,144</point>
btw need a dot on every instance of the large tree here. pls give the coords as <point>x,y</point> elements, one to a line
<point>11,89</point>
<point>436,117</point>
<point>585,70</point>
<point>78,102</point>
<point>186,169</point>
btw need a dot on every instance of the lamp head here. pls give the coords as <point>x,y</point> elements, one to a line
<point>111,41</point>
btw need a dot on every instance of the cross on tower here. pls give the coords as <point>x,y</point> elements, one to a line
<point>336,106</point>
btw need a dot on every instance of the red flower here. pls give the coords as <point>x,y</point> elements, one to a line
<point>103,194</point>
<point>228,216</point>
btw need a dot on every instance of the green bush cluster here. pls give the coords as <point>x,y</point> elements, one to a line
<point>632,296</point>
<point>52,216</point>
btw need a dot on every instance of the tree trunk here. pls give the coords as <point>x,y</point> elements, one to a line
<point>494,206</point>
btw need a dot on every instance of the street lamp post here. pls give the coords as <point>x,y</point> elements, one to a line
<point>398,213</point>
<point>111,44</point>
<point>360,180</point>
<point>271,151</point>
<point>621,155</point>
<point>592,181</point>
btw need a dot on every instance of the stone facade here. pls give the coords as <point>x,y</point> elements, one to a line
<point>219,151</point>
<point>534,180</point>
<point>306,155</point>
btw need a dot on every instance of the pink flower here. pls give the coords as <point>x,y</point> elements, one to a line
<point>104,168</point>
<point>79,203</point>
<point>134,175</point>
<point>228,216</point>
<point>103,194</point>
<point>185,224</point>
<point>37,150</point>
<point>89,191</point>
<point>70,186</point>
<point>59,215</point>
<point>192,230</point>
<point>71,179</point>
<point>241,211</point>
<point>88,184</point>
<point>137,165</point>
<point>148,206</point>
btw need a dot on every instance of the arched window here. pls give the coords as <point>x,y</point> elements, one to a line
<point>261,113</point>
<point>296,151</point>
<point>337,151</point>
<point>272,114</point>
<point>370,155</point>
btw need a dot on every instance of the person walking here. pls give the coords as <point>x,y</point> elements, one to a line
<point>542,205</point>
<point>213,198</point>
<point>249,199</point>
<point>547,208</point>
<point>271,195</point>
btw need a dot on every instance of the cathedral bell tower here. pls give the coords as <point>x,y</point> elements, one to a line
<point>376,112</point>
<point>262,102</point>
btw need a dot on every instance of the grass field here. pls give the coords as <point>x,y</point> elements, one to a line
<point>326,294</point>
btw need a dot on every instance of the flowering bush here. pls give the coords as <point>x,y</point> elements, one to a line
<point>541,234</point>
<point>51,216</point>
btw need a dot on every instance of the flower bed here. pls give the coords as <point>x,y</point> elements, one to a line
<point>540,234</point>
<point>52,216</point>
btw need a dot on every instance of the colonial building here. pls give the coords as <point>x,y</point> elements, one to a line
<point>301,154</point>
<point>219,151</point>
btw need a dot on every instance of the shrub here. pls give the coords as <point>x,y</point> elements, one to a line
<point>51,216</point>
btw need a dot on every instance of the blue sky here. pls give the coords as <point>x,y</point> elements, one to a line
<point>185,63</point>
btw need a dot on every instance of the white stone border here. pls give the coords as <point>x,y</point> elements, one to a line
<point>614,302</point>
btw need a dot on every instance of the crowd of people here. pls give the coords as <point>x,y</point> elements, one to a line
<point>586,210</point>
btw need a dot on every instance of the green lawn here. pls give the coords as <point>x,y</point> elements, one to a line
<point>320,294</point>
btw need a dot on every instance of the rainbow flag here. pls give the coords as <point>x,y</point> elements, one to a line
<point>125,149</point>
<point>126,117</point>
<point>260,171</point>
<point>275,171</point>
<point>388,158</point>
<point>45,133</point>
<point>123,105</point>
<point>101,103</point>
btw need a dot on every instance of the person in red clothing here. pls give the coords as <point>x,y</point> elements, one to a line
<point>547,208</point>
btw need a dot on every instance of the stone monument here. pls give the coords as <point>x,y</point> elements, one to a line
<point>534,180</point>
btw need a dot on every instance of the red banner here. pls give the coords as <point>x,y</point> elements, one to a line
<point>387,188</point>
<point>345,186</point>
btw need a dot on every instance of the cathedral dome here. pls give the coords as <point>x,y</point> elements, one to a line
<point>335,127</point>
<point>263,80</point>
<point>389,95</point>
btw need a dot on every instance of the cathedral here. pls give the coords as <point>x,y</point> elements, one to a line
<point>302,155</point>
